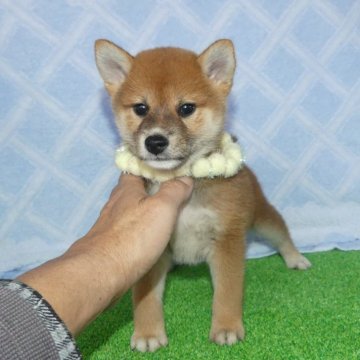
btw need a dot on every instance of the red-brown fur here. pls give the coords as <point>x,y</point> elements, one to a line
<point>164,78</point>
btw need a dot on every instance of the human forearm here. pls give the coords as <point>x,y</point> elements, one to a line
<point>79,285</point>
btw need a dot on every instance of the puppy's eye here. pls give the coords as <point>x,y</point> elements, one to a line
<point>186,110</point>
<point>141,109</point>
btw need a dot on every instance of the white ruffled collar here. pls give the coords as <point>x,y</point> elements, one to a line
<point>226,163</point>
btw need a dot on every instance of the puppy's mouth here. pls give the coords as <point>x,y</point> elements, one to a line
<point>164,164</point>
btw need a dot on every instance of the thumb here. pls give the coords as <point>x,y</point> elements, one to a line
<point>176,191</point>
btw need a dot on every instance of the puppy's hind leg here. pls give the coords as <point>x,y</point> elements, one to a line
<point>149,333</point>
<point>270,225</point>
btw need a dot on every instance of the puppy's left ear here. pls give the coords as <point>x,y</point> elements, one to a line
<point>218,63</point>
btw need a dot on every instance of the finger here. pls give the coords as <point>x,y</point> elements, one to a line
<point>129,184</point>
<point>129,180</point>
<point>176,191</point>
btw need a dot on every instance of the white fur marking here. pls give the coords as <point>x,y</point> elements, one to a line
<point>191,242</point>
<point>163,164</point>
<point>226,338</point>
<point>151,344</point>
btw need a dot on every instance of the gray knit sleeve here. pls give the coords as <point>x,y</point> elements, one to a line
<point>30,328</point>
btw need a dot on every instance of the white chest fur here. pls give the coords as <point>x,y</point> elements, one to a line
<point>194,236</point>
<point>195,232</point>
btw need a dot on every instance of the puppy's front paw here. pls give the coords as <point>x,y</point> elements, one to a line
<point>227,336</point>
<point>297,261</point>
<point>148,343</point>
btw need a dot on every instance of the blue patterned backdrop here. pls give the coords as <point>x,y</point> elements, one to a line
<point>295,107</point>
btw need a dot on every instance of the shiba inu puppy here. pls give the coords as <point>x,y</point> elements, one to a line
<point>170,107</point>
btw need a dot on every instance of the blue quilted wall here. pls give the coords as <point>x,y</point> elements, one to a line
<point>295,106</point>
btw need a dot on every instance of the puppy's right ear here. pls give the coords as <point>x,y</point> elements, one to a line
<point>113,64</point>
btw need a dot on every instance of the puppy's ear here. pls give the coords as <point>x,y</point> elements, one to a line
<point>218,63</point>
<point>113,64</point>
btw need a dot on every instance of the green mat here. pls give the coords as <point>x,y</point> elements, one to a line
<point>287,314</point>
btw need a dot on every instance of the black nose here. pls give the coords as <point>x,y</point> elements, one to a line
<point>156,144</point>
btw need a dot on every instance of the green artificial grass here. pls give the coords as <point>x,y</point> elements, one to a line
<point>287,314</point>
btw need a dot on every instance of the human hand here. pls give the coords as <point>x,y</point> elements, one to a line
<point>134,228</point>
<point>129,236</point>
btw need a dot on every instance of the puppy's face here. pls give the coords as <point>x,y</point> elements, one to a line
<point>169,103</point>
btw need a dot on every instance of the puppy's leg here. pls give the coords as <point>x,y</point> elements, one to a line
<point>270,225</point>
<point>149,333</point>
<point>227,270</point>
